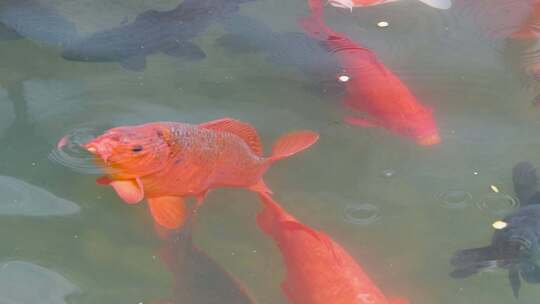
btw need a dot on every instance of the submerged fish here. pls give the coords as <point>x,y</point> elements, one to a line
<point>152,32</point>
<point>319,270</point>
<point>372,88</point>
<point>350,4</point>
<point>515,245</point>
<point>167,161</point>
<point>197,277</point>
<point>36,21</point>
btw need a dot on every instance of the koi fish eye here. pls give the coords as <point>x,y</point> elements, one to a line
<point>137,148</point>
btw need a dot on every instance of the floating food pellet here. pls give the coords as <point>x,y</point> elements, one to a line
<point>344,78</point>
<point>494,188</point>
<point>499,225</point>
<point>475,173</point>
<point>383,24</point>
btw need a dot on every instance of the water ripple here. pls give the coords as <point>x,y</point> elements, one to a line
<point>361,214</point>
<point>69,152</point>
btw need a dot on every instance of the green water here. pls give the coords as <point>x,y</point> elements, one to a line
<point>106,251</point>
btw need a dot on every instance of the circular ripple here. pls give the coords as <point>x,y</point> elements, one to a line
<point>455,198</point>
<point>70,153</point>
<point>361,214</point>
<point>499,204</point>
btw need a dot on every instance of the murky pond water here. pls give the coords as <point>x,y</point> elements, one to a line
<point>400,203</point>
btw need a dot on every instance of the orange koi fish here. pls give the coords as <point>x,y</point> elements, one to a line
<point>167,161</point>
<point>371,88</point>
<point>319,270</point>
<point>530,28</point>
<point>350,4</point>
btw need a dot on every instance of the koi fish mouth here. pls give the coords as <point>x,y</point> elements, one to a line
<point>429,140</point>
<point>99,150</point>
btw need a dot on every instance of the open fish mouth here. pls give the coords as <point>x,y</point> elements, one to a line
<point>429,140</point>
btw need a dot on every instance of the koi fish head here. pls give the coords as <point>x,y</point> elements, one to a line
<point>133,150</point>
<point>421,127</point>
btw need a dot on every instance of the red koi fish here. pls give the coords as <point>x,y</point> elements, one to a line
<point>167,161</point>
<point>530,28</point>
<point>373,89</point>
<point>319,270</point>
<point>350,4</point>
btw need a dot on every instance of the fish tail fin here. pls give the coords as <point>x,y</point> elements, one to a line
<point>292,143</point>
<point>525,181</point>
<point>440,4</point>
<point>270,214</point>
<point>471,261</point>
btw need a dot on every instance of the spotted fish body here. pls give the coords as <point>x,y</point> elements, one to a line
<point>167,161</point>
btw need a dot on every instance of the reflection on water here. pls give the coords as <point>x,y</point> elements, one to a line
<point>78,68</point>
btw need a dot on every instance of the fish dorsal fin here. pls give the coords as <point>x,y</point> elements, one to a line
<point>168,211</point>
<point>238,128</point>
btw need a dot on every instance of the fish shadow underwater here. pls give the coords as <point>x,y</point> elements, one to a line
<point>515,245</point>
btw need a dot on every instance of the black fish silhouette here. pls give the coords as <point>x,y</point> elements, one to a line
<point>514,247</point>
<point>152,32</point>
<point>197,277</point>
<point>33,20</point>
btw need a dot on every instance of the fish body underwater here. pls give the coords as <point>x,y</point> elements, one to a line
<point>246,34</point>
<point>34,20</point>
<point>514,247</point>
<point>167,161</point>
<point>152,32</point>
<point>197,278</point>
<point>319,270</point>
<point>350,4</point>
<point>372,89</point>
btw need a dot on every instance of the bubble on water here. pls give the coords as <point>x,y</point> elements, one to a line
<point>498,204</point>
<point>361,214</point>
<point>383,24</point>
<point>388,173</point>
<point>455,198</point>
<point>70,153</point>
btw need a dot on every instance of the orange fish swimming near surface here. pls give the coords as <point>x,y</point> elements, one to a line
<point>319,270</point>
<point>165,162</point>
<point>371,88</point>
<point>350,4</point>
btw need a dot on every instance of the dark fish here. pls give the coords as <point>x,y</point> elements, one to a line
<point>292,49</point>
<point>515,247</point>
<point>35,21</point>
<point>197,277</point>
<point>152,32</point>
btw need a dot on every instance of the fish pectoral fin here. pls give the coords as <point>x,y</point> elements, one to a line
<point>130,191</point>
<point>135,63</point>
<point>515,282</point>
<point>168,211</point>
<point>360,122</point>
<point>397,300</point>
<point>241,129</point>
<point>184,49</point>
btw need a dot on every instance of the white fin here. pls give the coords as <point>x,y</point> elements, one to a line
<point>440,4</point>
<point>342,3</point>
